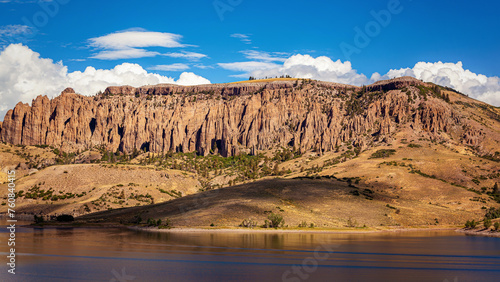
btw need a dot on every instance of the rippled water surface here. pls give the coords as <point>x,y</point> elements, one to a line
<point>85,254</point>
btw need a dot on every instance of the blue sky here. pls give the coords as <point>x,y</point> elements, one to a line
<point>208,37</point>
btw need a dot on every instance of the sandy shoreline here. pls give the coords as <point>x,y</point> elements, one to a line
<point>480,233</point>
<point>277,231</point>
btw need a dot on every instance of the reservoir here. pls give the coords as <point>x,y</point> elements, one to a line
<point>113,254</point>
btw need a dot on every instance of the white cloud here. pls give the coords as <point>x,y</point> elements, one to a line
<point>189,78</point>
<point>12,30</point>
<point>136,39</point>
<point>478,86</point>
<point>14,33</point>
<point>200,66</point>
<point>23,1</point>
<point>24,75</point>
<point>130,44</point>
<point>242,37</point>
<point>247,66</point>
<point>186,55</point>
<point>264,56</point>
<point>172,67</point>
<point>124,54</point>
<point>20,1</point>
<point>321,68</point>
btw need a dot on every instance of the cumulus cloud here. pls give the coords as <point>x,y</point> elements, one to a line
<point>189,78</point>
<point>321,68</point>
<point>453,75</point>
<point>24,75</point>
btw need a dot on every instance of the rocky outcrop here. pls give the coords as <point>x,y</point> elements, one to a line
<point>235,118</point>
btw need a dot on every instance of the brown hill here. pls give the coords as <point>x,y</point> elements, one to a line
<point>324,202</point>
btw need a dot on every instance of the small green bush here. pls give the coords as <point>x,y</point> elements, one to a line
<point>383,153</point>
<point>248,223</point>
<point>471,224</point>
<point>274,221</point>
<point>487,223</point>
<point>38,219</point>
<point>151,222</point>
<point>302,224</point>
<point>492,213</point>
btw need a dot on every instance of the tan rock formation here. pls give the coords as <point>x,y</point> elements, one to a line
<point>236,118</point>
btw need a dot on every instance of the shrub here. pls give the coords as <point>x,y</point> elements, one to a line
<point>137,219</point>
<point>151,222</point>
<point>38,219</point>
<point>354,192</point>
<point>496,226</point>
<point>487,223</point>
<point>65,218</point>
<point>166,224</point>
<point>248,223</point>
<point>492,213</point>
<point>383,153</point>
<point>351,222</point>
<point>275,220</point>
<point>303,224</point>
<point>473,224</point>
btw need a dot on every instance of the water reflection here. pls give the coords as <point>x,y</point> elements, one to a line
<point>92,255</point>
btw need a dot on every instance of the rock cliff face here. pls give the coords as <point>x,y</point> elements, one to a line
<point>239,118</point>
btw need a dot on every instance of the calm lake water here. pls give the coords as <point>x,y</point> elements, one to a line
<point>125,255</point>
